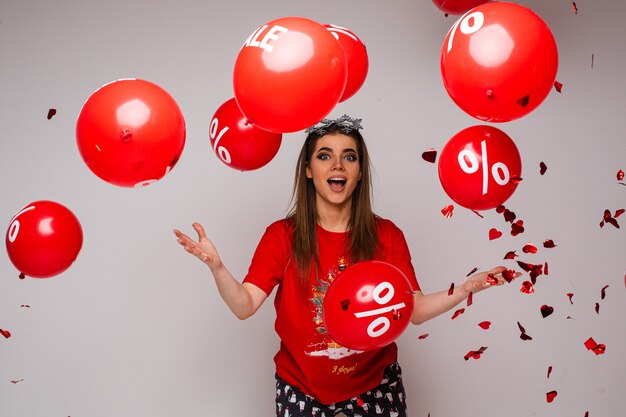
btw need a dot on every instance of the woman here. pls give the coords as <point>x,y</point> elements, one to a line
<point>330,226</point>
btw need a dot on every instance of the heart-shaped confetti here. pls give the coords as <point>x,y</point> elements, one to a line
<point>546,310</point>
<point>550,396</point>
<point>447,211</point>
<point>5,333</point>
<point>527,287</point>
<point>430,155</point>
<point>494,233</point>
<point>484,325</point>
<point>529,248</point>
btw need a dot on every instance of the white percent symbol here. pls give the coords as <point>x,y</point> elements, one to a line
<point>468,24</point>
<point>469,164</point>
<point>383,293</point>
<point>221,151</point>
<point>14,227</point>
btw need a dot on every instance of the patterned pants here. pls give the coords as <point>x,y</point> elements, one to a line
<point>386,400</point>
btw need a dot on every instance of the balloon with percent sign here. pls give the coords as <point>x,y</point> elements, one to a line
<point>499,62</point>
<point>237,142</point>
<point>43,239</point>
<point>368,305</point>
<point>289,74</point>
<point>130,132</point>
<point>457,6</point>
<point>356,57</point>
<point>480,167</point>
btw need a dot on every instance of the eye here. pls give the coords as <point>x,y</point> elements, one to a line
<point>323,156</point>
<point>351,157</point>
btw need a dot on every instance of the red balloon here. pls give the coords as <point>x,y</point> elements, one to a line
<point>457,6</point>
<point>480,167</point>
<point>356,57</point>
<point>368,305</point>
<point>499,62</point>
<point>43,239</point>
<point>237,142</point>
<point>289,74</point>
<point>130,132</point>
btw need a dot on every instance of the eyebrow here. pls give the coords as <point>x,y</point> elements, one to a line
<point>327,149</point>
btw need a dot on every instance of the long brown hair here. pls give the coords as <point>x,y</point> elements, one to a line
<point>364,239</point>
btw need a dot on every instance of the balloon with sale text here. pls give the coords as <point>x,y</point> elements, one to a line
<point>368,305</point>
<point>130,132</point>
<point>289,74</point>
<point>43,239</point>
<point>499,62</point>
<point>238,143</point>
<point>356,57</point>
<point>480,167</point>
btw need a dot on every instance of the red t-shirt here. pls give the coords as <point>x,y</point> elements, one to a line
<point>308,358</point>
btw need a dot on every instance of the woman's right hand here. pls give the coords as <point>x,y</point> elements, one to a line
<point>202,249</point>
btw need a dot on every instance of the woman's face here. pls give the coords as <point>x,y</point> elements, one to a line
<point>335,170</point>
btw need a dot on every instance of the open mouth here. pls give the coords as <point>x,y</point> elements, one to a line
<point>337,183</point>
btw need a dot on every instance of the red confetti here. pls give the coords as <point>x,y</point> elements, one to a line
<point>517,228</point>
<point>598,349</point>
<point>25,306</point>
<point>344,304</point>
<point>451,290</point>
<point>543,167</point>
<point>575,7</point>
<point>529,248</point>
<point>5,333</point>
<point>509,275</point>
<point>523,101</point>
<point>475,354</point>
<point>17,381</point>
<point>527,287</point>
<point>22,275</point>
<point>51,113</point>
<point>470,299</point>
<point>447,211</point>
<point>500,209</point>
<point>535,271</point>
<point>545,268</point>
<point>526,267</point>
<point>570,295</point>
<point>510,255</point>
<point>360,402</point>
<point>494,233</point>
<point>430,155</point>
<point>558,87</point>
<point>603,292</point>
<point>549,244</point>
<point>592,58</point>
<point>422,337</point>
<point>611,219</point>
<point>597,308</point>
<point>620,175</point>
<point>515,180</point>
<point>458,313</point>
<point>484,325</point>
<point>546,310</point>
<point>550,396</point>
<point>618,213</point>
<point>471,272</point>
<point>509,216</point>
<point>549,371</point>
<point>586,413</point>
<point>524,335</point>
<point>491,280</point>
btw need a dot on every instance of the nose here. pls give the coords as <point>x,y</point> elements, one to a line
<point>338,165</point>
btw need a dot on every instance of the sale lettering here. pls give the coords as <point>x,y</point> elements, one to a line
<point>269,36</point>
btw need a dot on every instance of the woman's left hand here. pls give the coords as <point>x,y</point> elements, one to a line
<point>486,279</point>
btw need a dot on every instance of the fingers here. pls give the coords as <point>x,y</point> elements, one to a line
<point>199,230</point>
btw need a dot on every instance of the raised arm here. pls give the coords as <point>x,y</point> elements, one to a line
<point>428,306</point>
<point>243,299</point>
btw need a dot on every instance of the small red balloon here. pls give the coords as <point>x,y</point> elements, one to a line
<point>368,305</point>
<point>457,6</point>
<point>237,142</point>
<point>130,132</point>
<point>499,61</point>
<point>289,74</point>
<point>43,239</point>
<point>477,167</point>
<point>356,57</point>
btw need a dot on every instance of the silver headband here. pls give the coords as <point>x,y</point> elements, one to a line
<point>345,123</point>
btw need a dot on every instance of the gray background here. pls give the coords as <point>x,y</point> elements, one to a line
<point>136,327</point>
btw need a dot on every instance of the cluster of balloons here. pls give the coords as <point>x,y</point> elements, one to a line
<point>368,305</point>
<point>498,63</point>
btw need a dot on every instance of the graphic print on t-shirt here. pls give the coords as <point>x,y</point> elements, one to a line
<point>327,346</point>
